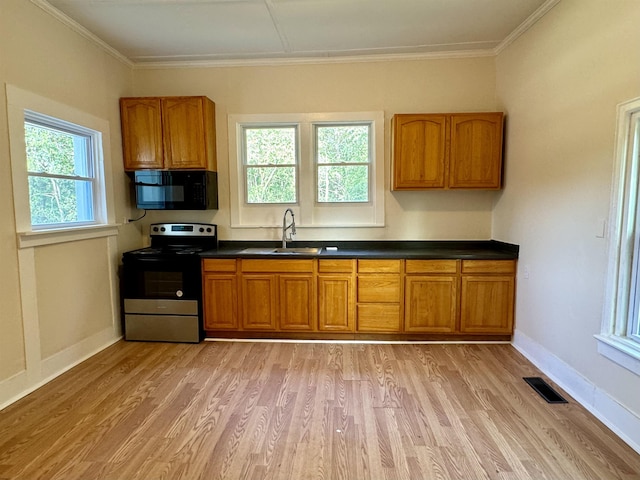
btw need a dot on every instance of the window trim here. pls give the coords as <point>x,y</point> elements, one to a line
<point>19,101</point>
<point>308,212</point>
<point>614,341</point>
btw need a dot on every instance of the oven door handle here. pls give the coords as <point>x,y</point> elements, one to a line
<point>183,263</point>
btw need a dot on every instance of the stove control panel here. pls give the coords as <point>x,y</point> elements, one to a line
<point>183,229</point>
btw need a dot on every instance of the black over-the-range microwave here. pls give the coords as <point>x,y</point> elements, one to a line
<point>176,190</point>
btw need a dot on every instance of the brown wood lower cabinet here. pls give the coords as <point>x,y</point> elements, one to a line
<point>487,296</point>
<point>431,296</point>
<point>379,296</point>
<point>336,295</point>
<point>220,294</point>
<point>278,294</point>
<point>365,296</point>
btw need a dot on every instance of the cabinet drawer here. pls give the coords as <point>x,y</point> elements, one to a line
<point>379,289</point>
<point>219,265</point>
<point>277,265</point>
<point>379,318</point>
<point>379,266</point>
<point>488,266</point>
<point>431,266</point>
<point>335,266</point>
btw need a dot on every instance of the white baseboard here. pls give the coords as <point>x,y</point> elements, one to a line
<point>22,384</point>
<point>622,421</point>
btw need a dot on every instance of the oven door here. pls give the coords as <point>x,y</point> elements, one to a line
<point>169,279</point>
<point>162,299</point>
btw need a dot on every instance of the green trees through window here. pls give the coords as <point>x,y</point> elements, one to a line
<point>342,159</point>
<point>270,163</point>
<point>60,175</point>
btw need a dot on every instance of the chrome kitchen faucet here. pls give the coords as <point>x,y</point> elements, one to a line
<point>286,227</point>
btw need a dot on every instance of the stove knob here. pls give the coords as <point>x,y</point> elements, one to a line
<point>155,229</point>
<point>179,294</point>
<point>201,229</point>
<point>162,229</point>
<point>209,229</point>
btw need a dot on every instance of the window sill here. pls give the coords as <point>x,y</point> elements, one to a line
<point>62,235</point>
<point>620,350</point>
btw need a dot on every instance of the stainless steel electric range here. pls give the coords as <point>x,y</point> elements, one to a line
<point>162,284</point>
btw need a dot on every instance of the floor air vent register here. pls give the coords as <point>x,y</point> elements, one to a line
<point>544,389</point>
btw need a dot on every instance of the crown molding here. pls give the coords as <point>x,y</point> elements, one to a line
<point>526,25</point>
<point>284,61</point>
<point>79,29</point>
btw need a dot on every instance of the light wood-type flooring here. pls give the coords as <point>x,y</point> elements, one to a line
<point>223,410</point>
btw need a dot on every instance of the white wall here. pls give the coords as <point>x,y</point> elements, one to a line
<point>436,85</point>
<point>559,85</point>
<point>56,302</point>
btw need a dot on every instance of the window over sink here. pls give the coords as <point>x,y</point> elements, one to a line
<point>327,167</point>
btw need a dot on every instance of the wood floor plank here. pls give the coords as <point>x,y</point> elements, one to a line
<point>280,411</point>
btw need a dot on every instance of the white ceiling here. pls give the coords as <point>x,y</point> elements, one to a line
<point>167,31</point>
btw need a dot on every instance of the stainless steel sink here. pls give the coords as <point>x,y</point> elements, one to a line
<point>298,251</point>
<point>282,251</point>
<point>258,250</point>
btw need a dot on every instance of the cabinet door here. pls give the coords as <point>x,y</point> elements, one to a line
<point>430,304</point>
<point>335,297</point>
<point>184,132</point>
<point>141,133</point>
<point>297,302</point>
<point>487,304</point>
<point>419,151</point>
<point>259,300</point>
<point>476,151</point>
<point>220,302</point>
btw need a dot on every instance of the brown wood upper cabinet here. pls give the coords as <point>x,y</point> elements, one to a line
<point>447,151</point>
<point>168,133</point>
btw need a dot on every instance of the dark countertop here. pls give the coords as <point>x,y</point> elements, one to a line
<point>465,249</point>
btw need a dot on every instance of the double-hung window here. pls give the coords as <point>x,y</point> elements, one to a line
<point>61,188</point>
<point>620,336</point>
<point>270,164</point>
<point>61,171</point>
<point>327,167</point>
<point>343,162</point>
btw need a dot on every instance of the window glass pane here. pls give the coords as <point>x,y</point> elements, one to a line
<point>270,146</point>
<point>55,200</point>
<point>271,185</point>
<point>56,152</point>
<point>343,144</point>
<point>337,183</point>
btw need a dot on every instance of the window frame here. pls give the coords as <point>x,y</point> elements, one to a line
<point>92,162</point>
<point>308,211</point>
<point>18,102</point>
<point>617,340</point>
